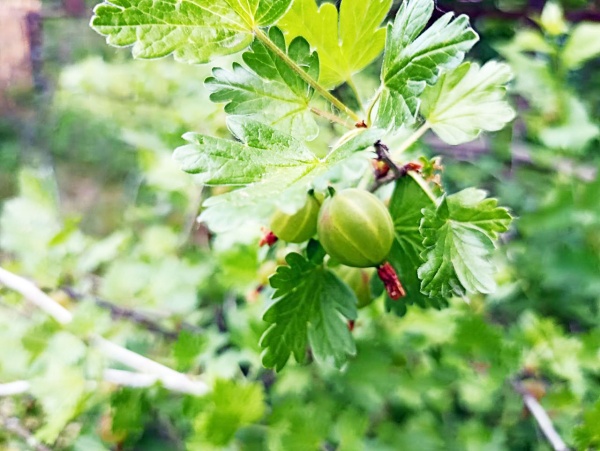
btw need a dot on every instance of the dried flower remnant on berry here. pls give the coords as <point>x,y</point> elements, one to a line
<point>388,276</point>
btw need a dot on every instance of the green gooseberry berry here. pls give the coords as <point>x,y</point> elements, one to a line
<point>300,226</point>
<point>355,228</point>
<point>359,280</point>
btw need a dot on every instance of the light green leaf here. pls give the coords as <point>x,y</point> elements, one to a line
<point>231,406</point>
<point>274,93</point>
<point>533,78</point>
<point>224,162</point>
<point>459,235</point>
<point>583,44</point>
<point>345,46</point>
<point>298,424</point>
<point>61,393</point>
<point>187,348</point>
<point>468,100</point>
<point>310,304</point>
<point>414,60</point>
<point>194,31</point>
<point>277,169</point>
<point>552,19</point>
<point>576,129</point>
<point>406,205</point>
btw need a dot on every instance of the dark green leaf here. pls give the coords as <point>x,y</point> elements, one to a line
<point>406,207</point>
<point>309,310</point>
<point>413,60</point>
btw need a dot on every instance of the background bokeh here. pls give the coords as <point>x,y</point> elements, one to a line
<point>90,199</point>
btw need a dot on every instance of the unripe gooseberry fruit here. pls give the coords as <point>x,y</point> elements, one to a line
<point>359,280</point>
<point>297,227</point>
<point>355,228</point>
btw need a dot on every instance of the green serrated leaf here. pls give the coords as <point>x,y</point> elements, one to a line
<point>194,31</point>
<point>310,303</point>
<point>459,235</point>
<point>187,348</point>
<point>406,205</point>
<point>274,93</point>
<point>262,150</point>
<point>277,168</point>
<point>414,60</point>
<point>468,100</point>
<point>345,46</point>
<point>130,410</point>
<point>587,434</point>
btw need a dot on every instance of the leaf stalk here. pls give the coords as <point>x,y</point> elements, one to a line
<point>412,138</point>
<point>332,117</point>
<point>261,36</point>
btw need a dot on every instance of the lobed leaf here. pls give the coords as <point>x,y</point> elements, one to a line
<point>271,92</point>
<point>261,150</point>
<point>310,305</point>
<point>194,31</point>
<point>346,44</point>
<point>468,100</point>
<point>414,60</point>
<point>275,170</point>
<point>459,235</point>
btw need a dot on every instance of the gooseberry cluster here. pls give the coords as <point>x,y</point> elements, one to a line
<point>354,228</point>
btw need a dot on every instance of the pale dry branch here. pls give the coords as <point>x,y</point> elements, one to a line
<point>166,375</point>
<point>541,417</point>
<point>14,388</point>
<point>36,296</point>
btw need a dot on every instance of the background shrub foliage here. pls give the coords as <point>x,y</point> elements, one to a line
<point>98,213</point>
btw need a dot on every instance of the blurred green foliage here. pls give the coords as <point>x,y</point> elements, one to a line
<point>96,203</point>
